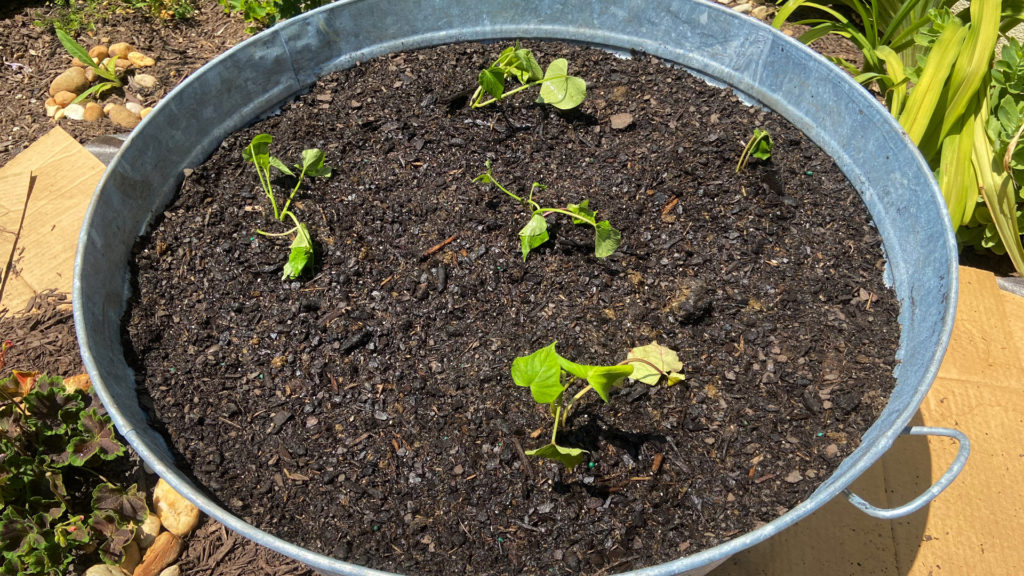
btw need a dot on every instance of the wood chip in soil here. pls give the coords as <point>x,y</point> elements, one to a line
<point>367,412</point>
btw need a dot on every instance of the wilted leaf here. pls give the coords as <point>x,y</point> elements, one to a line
<point>526,68</point>
<point>601,378</point>
<point>25,380</point>
<point>763,144</point>
<point>258,151</point>
<point>533,234</point>
<point>569,457</point>
<point>301,253</point>
<point>313,163</point>
<point>652,360</point>
<point>277,163</point>
<point>492,80</point>
<point>583,209</point>
<point>606,239</point>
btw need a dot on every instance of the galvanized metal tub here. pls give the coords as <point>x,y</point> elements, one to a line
<point>257,76</point>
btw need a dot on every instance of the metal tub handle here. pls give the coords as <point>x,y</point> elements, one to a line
<point>935,489</point>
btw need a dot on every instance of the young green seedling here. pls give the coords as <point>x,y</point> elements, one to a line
<point>107,72</point>
<point>557,88</point>
<point>549,377</point>
<point>258,152</point>
<point>759,146</point>
<point>535,233</point>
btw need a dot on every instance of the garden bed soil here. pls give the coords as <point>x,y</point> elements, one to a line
<point>367,411</point>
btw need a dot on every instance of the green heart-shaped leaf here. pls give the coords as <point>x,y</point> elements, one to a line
<point>561,90</point>
<point>541,373</point>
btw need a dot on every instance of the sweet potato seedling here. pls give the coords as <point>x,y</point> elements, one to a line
<point>312,165</point>
<point>557,87</point>
<point>759,146</point>
<point>535,233</point>
<point>549,377</point>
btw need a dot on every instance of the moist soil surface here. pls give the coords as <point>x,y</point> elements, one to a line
<point>366,411</point>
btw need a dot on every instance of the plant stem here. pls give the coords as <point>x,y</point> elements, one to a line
<point>642,361</point>
<point>265,181</point>
<point>572,402</point>
<point>294,190</point>
<point>590,221</point>
<point>479,104</point>
<point>589,387</point>
<point>505,190</point>
<point>558,412</point>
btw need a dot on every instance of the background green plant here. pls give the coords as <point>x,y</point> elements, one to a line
<point>73,16</point>
<point>959,104</point>
<point>166,9</point>
<point>50,442</point>
<point>259,14</point>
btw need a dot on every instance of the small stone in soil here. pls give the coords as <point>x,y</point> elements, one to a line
<point>794,477</point>
<point>278,420</point>
<point>621,121</point>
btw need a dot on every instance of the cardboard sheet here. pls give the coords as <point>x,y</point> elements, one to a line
<point>975,526</point>
<point>14,187</point>
<point>63,178</point>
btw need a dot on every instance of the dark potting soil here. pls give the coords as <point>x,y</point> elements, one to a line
<point>367,411</point>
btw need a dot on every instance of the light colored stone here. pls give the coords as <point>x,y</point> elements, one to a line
<point>90,75</point>
<point>621,121</point>
<point>51,107</point>
<point>145,111</point>
<point>63,98</point>
<point>146,81</point>
<point>148,531</point>
<point>132,557</point>
<point>93,112</point>
<point>98,52</point>
<point>759,12</point>
<point>743,8</point>
<point>70,80</point>
<point>141,60</point>
<point>124,118</point>
<point>794,477</point>
<point>107,107</point>
<point>178,515</point>
<point>74,111</point>
<point>103,570</point>
<point>58,114</point>
<point>134,107</point>
<point>161,554</point>
<point>119,49</point>
<point>173,570</point>
<point>123,64</point>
